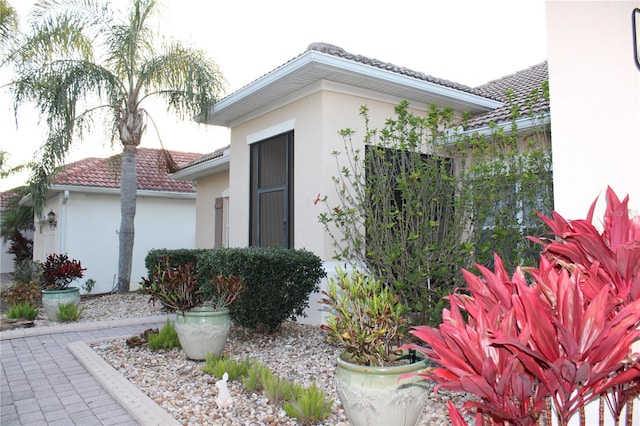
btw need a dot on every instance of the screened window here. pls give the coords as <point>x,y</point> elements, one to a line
<point>272,192</point>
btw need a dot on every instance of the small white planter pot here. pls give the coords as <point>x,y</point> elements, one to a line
<point>374,395</point>
<point>202,331</point>
<point>52,298</point>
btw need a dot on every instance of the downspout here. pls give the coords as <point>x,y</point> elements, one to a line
<point>63,223</point>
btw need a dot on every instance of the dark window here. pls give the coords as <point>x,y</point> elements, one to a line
<point>271,220</point>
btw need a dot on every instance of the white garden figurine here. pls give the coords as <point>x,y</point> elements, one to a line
<point>224,399</point>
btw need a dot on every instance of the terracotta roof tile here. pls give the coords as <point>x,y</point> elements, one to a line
<point>105,172</point>
<point>5,198</point>
<point>521,83</point>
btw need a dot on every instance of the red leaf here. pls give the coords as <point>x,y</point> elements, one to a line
<point>454,415</point>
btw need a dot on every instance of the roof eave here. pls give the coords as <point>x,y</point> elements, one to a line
<point>312,66</point>
<point>207,168</point>
<point>523,124</point>
<point>116,191</point>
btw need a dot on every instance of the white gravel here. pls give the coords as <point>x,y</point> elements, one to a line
<point>296,352</point>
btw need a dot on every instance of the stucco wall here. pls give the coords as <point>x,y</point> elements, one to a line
<point>208,189</point>
<point>595,103</point>
<point>316,115</point>
<point>88,227</point>
<point>595,112</point>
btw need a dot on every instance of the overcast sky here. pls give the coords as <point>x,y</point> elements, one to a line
<point>467,41</point>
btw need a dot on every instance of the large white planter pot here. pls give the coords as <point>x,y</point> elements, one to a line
<point>374,395</point>
<point>52,298</point>
<point>202,331</point>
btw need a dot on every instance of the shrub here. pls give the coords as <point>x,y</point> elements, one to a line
<point>22,292</point>
<point>366,318</point>
<point>217,365</point>
<point>69,312</point>
<point>27,271</point>
<point>279,282</point>
<point>176,256</point>
<point>275,388</point>
<point>310,407</point>
<point>565,338</point>
<point>175,287</point>
<point>88,285</point>
<point>253,380</point>
<point>166,338</point>
<point>23,310</point>
<point>58,271</point>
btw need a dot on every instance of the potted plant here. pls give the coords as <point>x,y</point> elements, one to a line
<point>368,320</point>
<point>203,320</point>
<point>58,272</point>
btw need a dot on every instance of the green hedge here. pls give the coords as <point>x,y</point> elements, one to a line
<point>279,281</point>
<point>176,257</point>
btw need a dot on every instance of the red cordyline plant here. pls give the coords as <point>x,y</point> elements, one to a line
<point>610,259</point>
<point>58,271</point>
<point>226,290</point>
<point>564,337</point>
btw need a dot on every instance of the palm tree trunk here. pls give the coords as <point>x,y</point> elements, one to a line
<point>128,189</point>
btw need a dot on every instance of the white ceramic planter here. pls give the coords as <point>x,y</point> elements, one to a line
<point>52,298</point>
<point>202,331</point>
<point>373,396</point>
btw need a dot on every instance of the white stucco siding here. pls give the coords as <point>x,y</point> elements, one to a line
<point>318,118</point>
<point>595,103</point>
<point>88,226</point>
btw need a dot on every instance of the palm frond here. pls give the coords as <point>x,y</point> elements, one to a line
<point>185,78</point>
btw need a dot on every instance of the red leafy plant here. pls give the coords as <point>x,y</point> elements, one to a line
<point>175,287</point>
<point>566,336</point>
<point>609,260</point>
<point>224,290</point>
<point>58,271</point>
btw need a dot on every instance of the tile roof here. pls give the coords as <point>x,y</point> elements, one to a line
<point>5,198</point>
<point>331,49</point>
<point>204,158</point>
<point>151,171</point>
<point>521,83</point>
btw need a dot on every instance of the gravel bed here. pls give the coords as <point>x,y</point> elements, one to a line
<point>108,307</point>
<point>297,352</point>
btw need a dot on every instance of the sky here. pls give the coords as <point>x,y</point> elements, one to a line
<point>466,41</point>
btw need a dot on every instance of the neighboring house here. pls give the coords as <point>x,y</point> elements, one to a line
<point>84,208</point>
<point>284,127</point>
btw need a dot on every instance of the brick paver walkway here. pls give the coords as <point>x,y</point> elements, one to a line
<point>50,376</point>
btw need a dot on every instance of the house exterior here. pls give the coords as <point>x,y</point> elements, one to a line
<point>594,67</point>
<point>595,98</point>
<point>284,127</point>
<point>85,201</point>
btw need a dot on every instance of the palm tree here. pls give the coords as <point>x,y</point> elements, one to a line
<point>79,61</point>
<point>8,22</point>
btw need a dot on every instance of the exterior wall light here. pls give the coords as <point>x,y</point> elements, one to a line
<point>51,218</point>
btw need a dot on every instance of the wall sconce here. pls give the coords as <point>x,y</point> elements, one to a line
<point>635,32</point>
<point>51,218</point>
